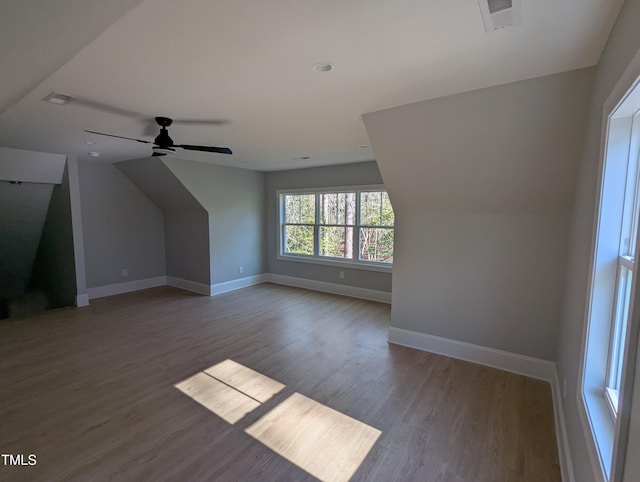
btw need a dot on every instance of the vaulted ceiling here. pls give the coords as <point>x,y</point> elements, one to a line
<point>248,64</point>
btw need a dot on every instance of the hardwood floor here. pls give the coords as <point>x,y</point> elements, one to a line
<point>91,392</point>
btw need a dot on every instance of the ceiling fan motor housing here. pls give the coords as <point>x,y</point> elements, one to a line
<point>163,139</point>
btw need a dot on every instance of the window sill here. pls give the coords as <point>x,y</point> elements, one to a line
<point>601,426</point>
<point>338,263</point>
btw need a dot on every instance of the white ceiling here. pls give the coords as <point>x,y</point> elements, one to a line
<point>250,63</point>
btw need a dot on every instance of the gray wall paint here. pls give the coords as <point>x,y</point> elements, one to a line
<point>54,267</point>
<point>482,185</point>
<point>122,228</point>
<point>343,175</point>
<point>23,210</point>
<point>234,200</point>
<point>186,221</point>
<point>623,43</point>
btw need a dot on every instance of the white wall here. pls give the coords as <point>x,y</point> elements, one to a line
<point>482,185</point>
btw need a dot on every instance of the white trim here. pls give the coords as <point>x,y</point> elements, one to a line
<point>352,291</point>
<point>126,287</point>
<point>625,84</point>
<point>504,360</point>
<point>354,263</point>
<point>562,438</point>
<point>512,362</point>
<point>340,263</point>
<point>82,300</point>
<point>188,285</point>
<point>345,188</point>
<point>236,284</point>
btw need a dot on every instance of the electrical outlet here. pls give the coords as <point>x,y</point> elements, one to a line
<point>241,269</point>
<point>125,272</point>
<point>341,275</point>
<point>564,388</point>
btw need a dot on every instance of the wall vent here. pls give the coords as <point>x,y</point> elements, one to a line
<point>499,14</point>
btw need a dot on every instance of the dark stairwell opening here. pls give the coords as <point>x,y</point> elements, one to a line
<point>37,269</point>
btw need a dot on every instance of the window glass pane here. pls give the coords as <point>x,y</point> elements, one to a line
<point>336,242</point>
<point>375,209</point>
<point>300,208</point>
<point>338,208</point>
<point>298,239</point>
<point>619,327</point>
<point>376,244</point>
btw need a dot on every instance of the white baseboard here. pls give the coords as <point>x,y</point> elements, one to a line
<point>354,292</point>
<point>82,300</point>
<point>188,285</point>
<point>218,288</point>
<point>503,360</point>
<point>236,284</point>
<point>126,287</point>
<point>562,439</point>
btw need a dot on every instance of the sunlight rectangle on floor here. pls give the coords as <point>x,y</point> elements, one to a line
<point>245,380</point>
<point>227,403</point>
<point>327,444</point>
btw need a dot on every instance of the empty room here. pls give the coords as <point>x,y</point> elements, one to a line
<point>358,240</point>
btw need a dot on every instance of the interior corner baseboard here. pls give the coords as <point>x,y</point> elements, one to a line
<point>352,291</point>
<point>562,439</point>
<point>126,287</point>
<point>82,300</point>
<point>504,360</point>
<point>236,284</point>
<point>188,285</point>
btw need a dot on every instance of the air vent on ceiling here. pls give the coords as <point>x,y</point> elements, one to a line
<point>499,14</point>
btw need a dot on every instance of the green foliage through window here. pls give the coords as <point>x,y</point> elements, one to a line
<point>355,225</point>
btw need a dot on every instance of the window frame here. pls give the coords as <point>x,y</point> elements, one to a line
<point>606,430</point>
<point>316,258</point>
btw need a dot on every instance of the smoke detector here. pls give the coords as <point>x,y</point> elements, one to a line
<point>499,14</point>
<point>58,98</point>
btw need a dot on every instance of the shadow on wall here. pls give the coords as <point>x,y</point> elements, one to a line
<point>37,270</point>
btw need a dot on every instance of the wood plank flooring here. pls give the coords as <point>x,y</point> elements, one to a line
<point>91,392</point>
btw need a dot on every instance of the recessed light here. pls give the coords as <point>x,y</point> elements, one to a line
<point>323,67</point>
<point>363,146</point>
<point>57,98</point>
<point>89,142</point>
<point>94,154</point>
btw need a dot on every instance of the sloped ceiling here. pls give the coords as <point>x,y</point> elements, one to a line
<point>250,63</point>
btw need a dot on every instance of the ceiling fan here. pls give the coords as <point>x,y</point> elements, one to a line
<point>163,144</point>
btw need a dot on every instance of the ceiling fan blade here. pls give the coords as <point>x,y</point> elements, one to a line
<point>201,122</point>
<point>110,109</point>
<point>220,150</point>
<point>158,154</point>
<point>119,137</point>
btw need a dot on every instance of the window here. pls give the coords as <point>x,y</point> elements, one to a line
<point>349,225</point>
<point>612,280</point>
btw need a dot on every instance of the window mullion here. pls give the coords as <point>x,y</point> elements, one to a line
<point>316,228</point>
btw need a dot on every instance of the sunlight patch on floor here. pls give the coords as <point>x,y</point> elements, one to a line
<point>245,380</point>
<point>325,443</point>
<point>226,402</point>
<point>229,389</point>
